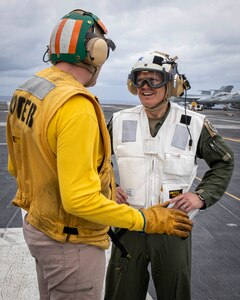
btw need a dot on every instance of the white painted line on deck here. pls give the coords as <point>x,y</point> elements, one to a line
<point>222,126</point>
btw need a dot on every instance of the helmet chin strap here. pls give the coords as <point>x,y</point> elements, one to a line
<point>94,70</point>
<point>93,80</point>
<point>158,106</point>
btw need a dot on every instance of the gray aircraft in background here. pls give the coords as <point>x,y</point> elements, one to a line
<point>209,98</point>
<point>223,98</point>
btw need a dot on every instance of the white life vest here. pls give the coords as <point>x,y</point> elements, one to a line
<point>154,169</point>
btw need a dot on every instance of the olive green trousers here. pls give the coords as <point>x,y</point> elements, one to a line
<point>170,258</point>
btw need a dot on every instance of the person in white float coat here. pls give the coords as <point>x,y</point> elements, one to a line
<point>156,145</point>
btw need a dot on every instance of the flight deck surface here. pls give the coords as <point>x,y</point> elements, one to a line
<point>215,237</point>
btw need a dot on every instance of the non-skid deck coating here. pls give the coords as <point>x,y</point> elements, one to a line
<point>216,232</point>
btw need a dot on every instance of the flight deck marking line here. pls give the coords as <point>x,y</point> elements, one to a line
<point>230,195</point>
<point>233,140</point>
<point>226,120</point>
<point>224,207</point>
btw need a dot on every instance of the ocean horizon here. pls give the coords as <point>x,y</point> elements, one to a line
<point>5,98</point>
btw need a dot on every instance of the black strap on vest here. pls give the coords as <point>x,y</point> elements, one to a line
<point>115,239</point>
<point>70,230</point>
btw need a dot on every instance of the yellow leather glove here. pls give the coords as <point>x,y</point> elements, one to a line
<point>160,219</point>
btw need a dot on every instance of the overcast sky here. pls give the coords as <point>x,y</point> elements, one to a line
<point>204,34</point>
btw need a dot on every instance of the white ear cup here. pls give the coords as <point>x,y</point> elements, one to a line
<point>97,49</point>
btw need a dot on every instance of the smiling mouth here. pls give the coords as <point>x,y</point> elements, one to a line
<point>147,94</point>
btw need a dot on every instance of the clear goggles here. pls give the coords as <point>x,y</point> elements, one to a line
<point>154,79</point>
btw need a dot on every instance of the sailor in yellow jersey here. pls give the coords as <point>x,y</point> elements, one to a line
<point>59,152</point>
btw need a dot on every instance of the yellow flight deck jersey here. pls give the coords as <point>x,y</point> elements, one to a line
<point>59,148</point>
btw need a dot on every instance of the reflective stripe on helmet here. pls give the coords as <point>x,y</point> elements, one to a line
<point>74,40</point>
<point>65,36</point>
<point>100,23</point>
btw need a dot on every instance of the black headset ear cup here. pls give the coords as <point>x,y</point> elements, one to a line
<point>98,51</point>
<point>177,87</point>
